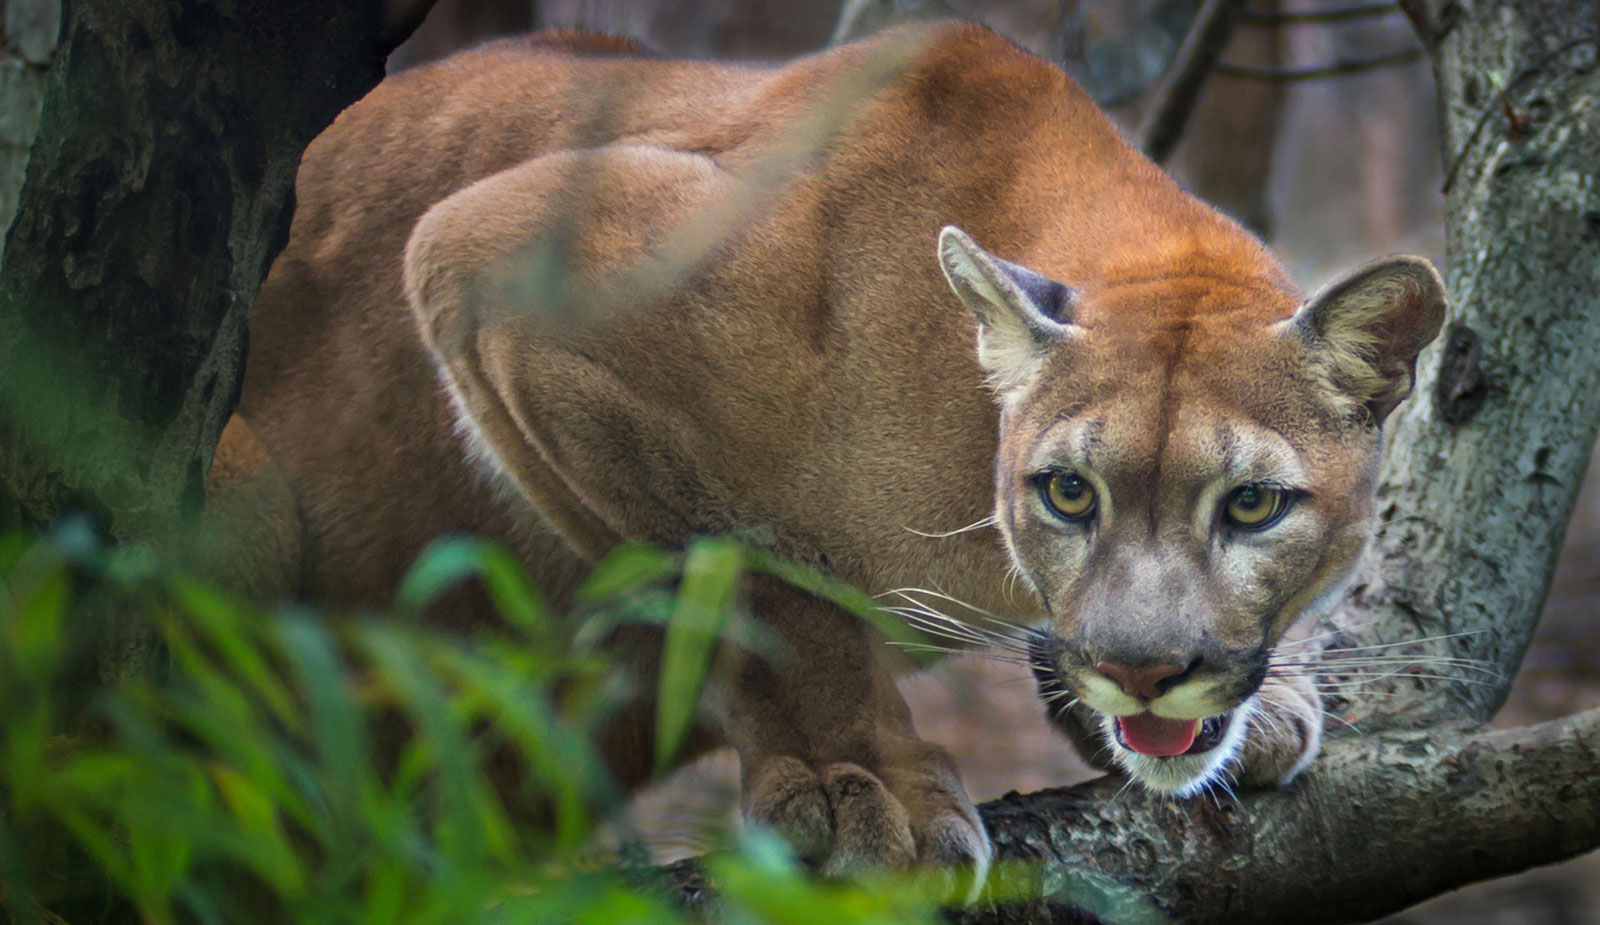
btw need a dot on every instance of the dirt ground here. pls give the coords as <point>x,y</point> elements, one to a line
<point>987,714</point>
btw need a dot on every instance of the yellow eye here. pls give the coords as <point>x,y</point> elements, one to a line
<point>1256,507</point>
<point>1069,495</point>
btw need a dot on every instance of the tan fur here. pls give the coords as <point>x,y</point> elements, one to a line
<point>655,312</point>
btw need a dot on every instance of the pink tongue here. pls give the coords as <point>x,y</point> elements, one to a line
<point>1157,736</point>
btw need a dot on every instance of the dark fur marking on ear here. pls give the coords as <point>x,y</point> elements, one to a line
<point>1053,300</point>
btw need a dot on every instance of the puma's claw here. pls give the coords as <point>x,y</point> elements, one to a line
<point>846,819</point>
<point>1285,733</point>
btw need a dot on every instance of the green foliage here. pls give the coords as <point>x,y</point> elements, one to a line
<point>266,772</point>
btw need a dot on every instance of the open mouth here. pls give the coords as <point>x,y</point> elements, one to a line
<point>1159,737</point>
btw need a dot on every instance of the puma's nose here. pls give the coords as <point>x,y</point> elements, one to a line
<point>1145,682</point>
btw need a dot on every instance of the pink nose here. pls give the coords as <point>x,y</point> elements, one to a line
<point>1140,682</point>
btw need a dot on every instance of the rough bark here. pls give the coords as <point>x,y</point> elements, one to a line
<point>29,28</point>
<point>158,190</point>
<point>1383,822</point>
<point>1486,461</point>
<point>160,162</point>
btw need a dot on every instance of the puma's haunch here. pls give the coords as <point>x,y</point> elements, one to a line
<point>564,293</point>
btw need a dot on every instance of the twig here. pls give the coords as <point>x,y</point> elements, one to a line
<point>1336,69</point>
<point>1502,98</point>
<point>1364,11</point>
<point>1179,91</point>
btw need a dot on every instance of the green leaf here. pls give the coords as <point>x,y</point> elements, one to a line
<point>863,605</point>
<point>270,854</point>
<point>630,567</point>
<point>337,726</point>
<point>33,634</point>
<point>712,572</point>
<point>449,561</point>
<point>221,619</point>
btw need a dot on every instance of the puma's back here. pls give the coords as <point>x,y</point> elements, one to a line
<point>936,125</point>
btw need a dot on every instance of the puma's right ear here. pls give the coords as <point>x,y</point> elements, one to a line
<point>1367,328</point>
<point>1020,313</point>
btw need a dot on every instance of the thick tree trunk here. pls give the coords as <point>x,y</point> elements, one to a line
<point>30,28</point>
<point>158,190</point>
<point>1487,459</point>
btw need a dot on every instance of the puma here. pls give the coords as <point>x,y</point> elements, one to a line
<point>562,292</point>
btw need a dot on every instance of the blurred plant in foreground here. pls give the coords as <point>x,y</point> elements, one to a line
<point>245,779</point>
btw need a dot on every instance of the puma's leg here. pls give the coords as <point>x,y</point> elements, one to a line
<point>248,538</point>
<point>828,754</point>
<point>1285,733</point>
<point>828,751</point>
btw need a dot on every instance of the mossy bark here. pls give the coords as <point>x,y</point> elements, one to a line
<point>158,190</point>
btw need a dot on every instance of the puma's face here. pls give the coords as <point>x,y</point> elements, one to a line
<point>1180,480</point>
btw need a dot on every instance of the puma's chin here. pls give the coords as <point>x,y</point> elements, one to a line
<point>1203,763</point>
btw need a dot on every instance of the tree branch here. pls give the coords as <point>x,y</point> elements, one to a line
<point>1319,17</point>
<point>1179,91</point>
<point>1336,69</point>
<point>1380,823</point>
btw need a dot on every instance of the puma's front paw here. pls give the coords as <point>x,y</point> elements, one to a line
<point>846,818</point>
<point>1284,733</point>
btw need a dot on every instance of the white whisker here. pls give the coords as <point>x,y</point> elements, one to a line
<point>1017,630</point>
<point>939,535</point>
<point>970,653</point>
<point>1408,642</point>
<point>1335,632</point>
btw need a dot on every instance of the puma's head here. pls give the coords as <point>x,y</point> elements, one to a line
<point>1186,467</point>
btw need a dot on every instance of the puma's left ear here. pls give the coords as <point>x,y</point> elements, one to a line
<point>1368,327</point>
<point>1020,313</point>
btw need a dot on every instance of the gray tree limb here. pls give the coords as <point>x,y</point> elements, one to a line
<point>1175,98</point>
<point>1382,822</point>
<point>1486,460</point>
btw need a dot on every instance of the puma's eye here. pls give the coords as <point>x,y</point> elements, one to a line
<point>1069,495</point>
<point>1256,507</point>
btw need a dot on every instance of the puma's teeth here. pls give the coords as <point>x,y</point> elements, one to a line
<point>1211,731</point>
